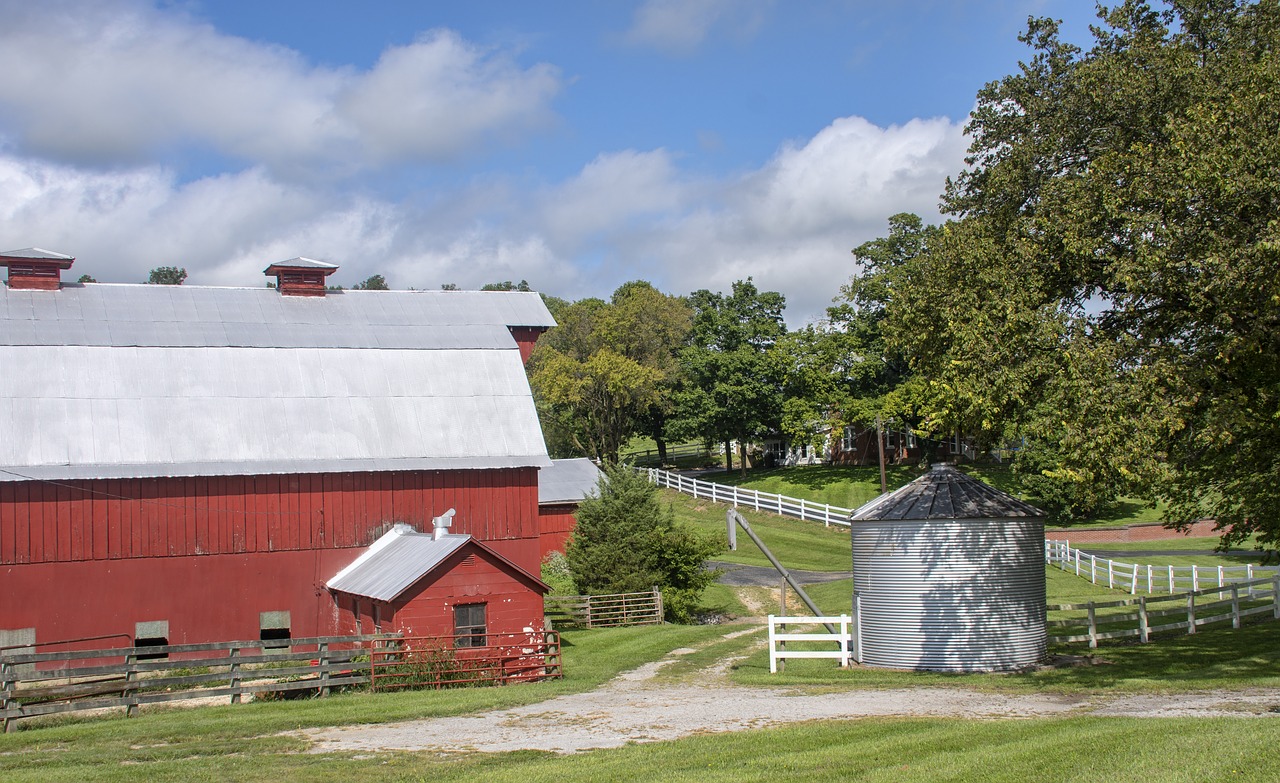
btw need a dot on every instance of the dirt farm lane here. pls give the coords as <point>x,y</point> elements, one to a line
<point>634,707</point>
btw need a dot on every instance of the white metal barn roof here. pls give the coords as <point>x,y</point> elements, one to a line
<point>115,381</point>
<point>567,481</point>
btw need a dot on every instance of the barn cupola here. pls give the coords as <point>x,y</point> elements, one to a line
<point>300,276</point>
<point>33,268</point>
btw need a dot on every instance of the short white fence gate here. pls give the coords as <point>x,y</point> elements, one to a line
<point>849,647</point>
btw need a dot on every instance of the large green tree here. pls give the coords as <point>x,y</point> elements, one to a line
<point>733,374</point>
<point>1111,281</point>
<point>605,368</point>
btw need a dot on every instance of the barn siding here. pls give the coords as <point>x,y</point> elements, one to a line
<point>555,523</point>
<point>426,609</point>
<point>204,598</point>
<point>42,522</point>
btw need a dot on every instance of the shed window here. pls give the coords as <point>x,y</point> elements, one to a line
<point>469,625</point>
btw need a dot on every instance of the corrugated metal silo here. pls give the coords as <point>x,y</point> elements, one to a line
<point>948,575</point>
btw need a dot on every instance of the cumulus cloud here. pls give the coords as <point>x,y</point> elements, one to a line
<point>792,224</point>
<point>114,82</point>
<point>628,214</point>
<point>680,26</point>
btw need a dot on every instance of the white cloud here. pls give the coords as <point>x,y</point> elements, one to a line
<point>610,193</point>
<point>628,214</point>
<point>680,26</point>
<point>792,224</point>
<point>435,97</point>
<point>115,82</point>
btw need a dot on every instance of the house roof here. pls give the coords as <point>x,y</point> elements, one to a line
<point>401,557</point>
<point>116,381</point>
<point>945,493</point>
<point>567,481</point>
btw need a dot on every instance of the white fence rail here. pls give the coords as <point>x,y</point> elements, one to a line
<point>1149,579</point>
<point>1150,615</point>
<point>778,638</point>
<point>738,497</point>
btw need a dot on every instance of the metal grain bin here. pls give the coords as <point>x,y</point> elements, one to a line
<point>948,575</point>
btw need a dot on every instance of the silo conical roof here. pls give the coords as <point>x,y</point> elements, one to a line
<point>945,493</point>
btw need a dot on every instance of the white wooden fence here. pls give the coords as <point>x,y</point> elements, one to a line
<point>739,497</point>
<point>848,644</point>
<point>1136,577</point>
<point>1150,615</point>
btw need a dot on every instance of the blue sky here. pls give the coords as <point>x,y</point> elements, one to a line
<point>574,145</point>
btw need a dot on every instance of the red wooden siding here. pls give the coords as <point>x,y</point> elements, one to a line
<point>204,598</point>
<point>555,525</point>
<point>44,522</point>
<point>512,604</point>
<point>526,337</point>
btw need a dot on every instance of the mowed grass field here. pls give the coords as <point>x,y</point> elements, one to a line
<point>246,743</point>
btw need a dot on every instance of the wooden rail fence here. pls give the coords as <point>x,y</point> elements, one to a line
<point>739,497</point>
<point>33,684</point>
<point>605,611</point>
<point>1255,597</point>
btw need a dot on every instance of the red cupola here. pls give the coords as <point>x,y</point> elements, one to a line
<point>300,276</point>
<point>33,268</point>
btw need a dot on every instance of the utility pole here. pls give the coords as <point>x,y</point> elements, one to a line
<point>884,483</point>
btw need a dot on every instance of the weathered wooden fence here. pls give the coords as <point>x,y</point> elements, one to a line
<point>434,662</point>
<point>1150,579</point>
<point>739,497</point>
<point>33,684</point>
<point>605,611</point>
<point>1097,620</point>
<point>845,638</point>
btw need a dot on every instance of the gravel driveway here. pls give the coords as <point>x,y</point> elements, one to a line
<point>635,707</point>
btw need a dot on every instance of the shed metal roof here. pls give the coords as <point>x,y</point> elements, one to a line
<point>567,481</point>
<point>945,493</point>
<point>400,558</point>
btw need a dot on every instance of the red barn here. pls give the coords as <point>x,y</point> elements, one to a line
<point>184,464</point>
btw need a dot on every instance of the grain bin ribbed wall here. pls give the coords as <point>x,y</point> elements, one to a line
<point>949,576</point>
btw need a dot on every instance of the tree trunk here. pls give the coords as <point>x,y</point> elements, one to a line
<point>742,455</point>
<point>728,456</point>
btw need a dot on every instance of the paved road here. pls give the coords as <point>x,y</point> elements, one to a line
<point>738,575</point>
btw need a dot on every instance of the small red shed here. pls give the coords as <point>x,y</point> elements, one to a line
<point>440,585</point>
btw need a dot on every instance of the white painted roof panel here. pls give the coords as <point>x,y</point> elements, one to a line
<point>210,411</point>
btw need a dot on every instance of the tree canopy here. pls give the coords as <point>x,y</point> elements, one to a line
<point>732,386</point>
<point>372,283</point>
<point>167,275</point>
<point>604,367</point>
<point>1110,281</point>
